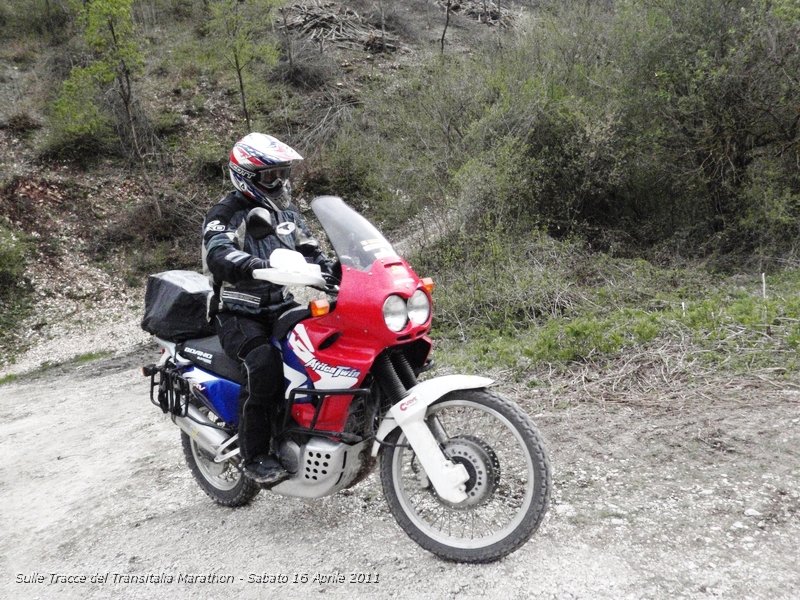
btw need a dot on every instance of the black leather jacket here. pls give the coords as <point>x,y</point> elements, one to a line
<point>228,253</point>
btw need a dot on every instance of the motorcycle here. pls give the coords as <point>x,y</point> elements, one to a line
<point>464,470</point>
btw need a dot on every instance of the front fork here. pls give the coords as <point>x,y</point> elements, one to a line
<point>426,437</point>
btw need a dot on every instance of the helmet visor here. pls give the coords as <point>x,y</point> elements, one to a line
<point>273,177</point>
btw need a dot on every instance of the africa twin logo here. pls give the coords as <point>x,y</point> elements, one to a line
<point>304,350</point>
<point>286,228</point>
<point>318,366</point>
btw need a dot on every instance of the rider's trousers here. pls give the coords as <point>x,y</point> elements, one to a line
<point>247,340</point>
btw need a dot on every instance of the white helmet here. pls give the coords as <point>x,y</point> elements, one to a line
<point>260,166</point>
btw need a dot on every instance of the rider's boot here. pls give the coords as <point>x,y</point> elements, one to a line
<point>266,469</point>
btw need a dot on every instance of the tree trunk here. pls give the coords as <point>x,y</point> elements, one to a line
<point>446,23</point>
<point>240,76</point>
<point>383,28</point>
<point>126,95</point>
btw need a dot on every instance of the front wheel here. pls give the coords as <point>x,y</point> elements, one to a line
<point>508,490</point>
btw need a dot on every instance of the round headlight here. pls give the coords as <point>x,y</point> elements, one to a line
<point>419,308</point>
<point>395,313</point>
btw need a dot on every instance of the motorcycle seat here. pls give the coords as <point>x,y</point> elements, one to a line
<point>207,353</point>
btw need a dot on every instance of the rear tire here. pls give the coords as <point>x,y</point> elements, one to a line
<point>224,483</point>
<point>508,490</point>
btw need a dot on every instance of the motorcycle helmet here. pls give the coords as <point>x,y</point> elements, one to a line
<point>260,166</point>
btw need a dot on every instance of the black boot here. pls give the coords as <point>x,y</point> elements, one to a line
<point>266,469</point>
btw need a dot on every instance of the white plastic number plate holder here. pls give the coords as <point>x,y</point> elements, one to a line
<point>290,268</point>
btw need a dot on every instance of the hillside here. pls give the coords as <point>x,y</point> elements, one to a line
<point>606,197</point>
<point>86,228</point>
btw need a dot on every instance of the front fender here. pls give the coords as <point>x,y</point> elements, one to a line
<point>414,406</point>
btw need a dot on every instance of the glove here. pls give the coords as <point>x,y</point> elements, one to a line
<point>327,267</point>
<point>255,263</point>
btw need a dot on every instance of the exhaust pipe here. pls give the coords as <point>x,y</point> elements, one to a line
<point>208,438</point>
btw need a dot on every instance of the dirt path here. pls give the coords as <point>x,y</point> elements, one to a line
<point>700,500</point>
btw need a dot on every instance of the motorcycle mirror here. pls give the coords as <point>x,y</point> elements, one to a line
<point>259,223</point>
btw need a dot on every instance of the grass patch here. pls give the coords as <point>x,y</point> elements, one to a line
<point>15,290</point>
<point>8,378</point>
<point>47,366</point>
<point>90,357</point>
<point>611,308</point>
<point>13,311</point>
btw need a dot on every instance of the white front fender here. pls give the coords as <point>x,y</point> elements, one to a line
<point>409,414</point>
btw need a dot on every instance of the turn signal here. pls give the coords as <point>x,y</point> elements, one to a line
<point>319,307</point>
<point>428,284</point>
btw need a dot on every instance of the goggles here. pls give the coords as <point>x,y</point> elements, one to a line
<point>272,177</point>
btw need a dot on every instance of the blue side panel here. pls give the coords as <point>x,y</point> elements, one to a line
<point>221,395</point>
<point>294,372</point>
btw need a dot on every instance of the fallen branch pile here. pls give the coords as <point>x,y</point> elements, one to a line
<point>326,22</point>
<point>482,11</point>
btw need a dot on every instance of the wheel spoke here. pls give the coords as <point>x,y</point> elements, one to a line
<point>501,475</point>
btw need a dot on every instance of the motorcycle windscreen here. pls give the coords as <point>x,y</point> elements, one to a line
<point>357,242</point>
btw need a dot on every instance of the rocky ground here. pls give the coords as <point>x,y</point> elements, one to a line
<point>697,498</point>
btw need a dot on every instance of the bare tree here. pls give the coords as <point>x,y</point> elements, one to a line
<point>446,23</point>
<point>237,26</point>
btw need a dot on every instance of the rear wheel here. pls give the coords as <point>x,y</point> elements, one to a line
<point>509,479</point>
<point>223,482</point>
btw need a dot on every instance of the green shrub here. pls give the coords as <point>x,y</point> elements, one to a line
<point>49,18</point>
<point>168,123</point>
<point>666,127</point>
<point>351,168</point>
<point>22,123</point>
<point>490,281</point>
<point>79,128</point>
<point>15,293</point>
<point>208,160</point>
<point>13,250</point>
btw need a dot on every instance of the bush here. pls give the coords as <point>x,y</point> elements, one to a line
<point>41,17</point>
<point>13,249</point>
<point>208,160</point>
<point>79,129</point>
<point>22,123</point>
<point>351,168</point>
<point>15,292</point>
<point>305,67</point>
<point>490,281</point>
<point>629,124</point>
<point>168,124</point>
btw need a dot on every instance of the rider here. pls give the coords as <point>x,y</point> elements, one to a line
<point>246,309</point>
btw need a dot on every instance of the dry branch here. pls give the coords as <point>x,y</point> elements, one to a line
<point>331,22</point>
<point>482,11</point>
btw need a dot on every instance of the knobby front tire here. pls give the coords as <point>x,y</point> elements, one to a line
<point>508,490</point>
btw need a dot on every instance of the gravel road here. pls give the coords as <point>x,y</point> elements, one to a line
<point>700,500</point>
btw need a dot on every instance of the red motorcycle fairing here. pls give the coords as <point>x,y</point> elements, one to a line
<point>336,351</point>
